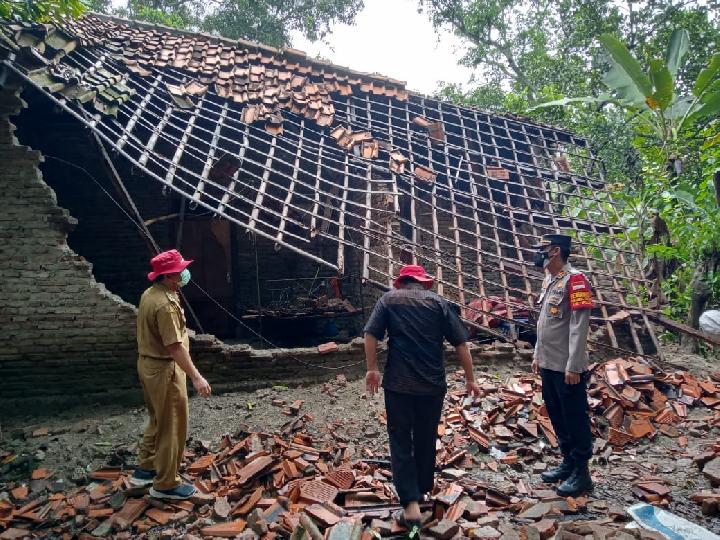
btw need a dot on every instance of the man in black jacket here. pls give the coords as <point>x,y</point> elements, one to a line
<point>417,322</point>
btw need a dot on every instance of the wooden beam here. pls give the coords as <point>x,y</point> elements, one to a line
<point>137,113</point>
<point>200,187</point>
<point>318,178</point>
<point>225,199</point>
<point>478,231</point>
<point>676,326</point>
<point>368,220</point>
<point>152,141</point>
<point>491,204</point>
<point>411,180</point>
<point>291,188</point>
<point>456,230</point>
<point>341,217</point>
<point>180,150</point>
<point>263,185</point>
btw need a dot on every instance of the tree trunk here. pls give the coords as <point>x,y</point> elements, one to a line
<point>701,289</point>
<point>700,295</point>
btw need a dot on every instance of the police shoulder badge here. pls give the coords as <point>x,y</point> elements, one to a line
<point>580,292</point>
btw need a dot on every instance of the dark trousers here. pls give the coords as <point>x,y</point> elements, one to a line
<point>568,410</point>
<point>412,423</point>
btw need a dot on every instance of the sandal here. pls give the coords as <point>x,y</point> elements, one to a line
<point>413,526</point>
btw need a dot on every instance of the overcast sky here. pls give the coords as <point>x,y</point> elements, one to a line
<point>391,38</point>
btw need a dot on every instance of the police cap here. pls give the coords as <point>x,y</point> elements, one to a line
<point>560,240</point>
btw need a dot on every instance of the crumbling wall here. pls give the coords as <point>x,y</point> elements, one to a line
<point>63,334</point>
<point>76,171</point>
<point>235,367</point>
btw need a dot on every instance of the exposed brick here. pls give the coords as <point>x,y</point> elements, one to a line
<point>49,290</point>
<point>326,348</point>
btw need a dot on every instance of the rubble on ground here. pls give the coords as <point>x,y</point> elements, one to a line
<point>290,484</point>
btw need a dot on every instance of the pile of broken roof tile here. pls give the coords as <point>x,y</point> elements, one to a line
<point>263,486</point>
<point>290,485</point>
<point>636,401</point>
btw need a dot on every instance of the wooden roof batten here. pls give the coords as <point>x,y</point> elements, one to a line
<point>481,221</point>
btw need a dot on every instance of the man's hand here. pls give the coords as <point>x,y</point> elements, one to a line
<point>572,378</point>
<point>535,365</point>
<point>372,382</point>
<point>201,386</point>
<point>472,389</point>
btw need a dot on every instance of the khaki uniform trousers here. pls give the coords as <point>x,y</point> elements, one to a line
<point>163,445</point>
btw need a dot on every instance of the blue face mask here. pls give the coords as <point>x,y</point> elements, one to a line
<point>184,278</point>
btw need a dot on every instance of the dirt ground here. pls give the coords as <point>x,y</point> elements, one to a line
<point>82,440</point>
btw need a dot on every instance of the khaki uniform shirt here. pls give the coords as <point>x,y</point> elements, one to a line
<point>562,328</point>
<point>160,322</point>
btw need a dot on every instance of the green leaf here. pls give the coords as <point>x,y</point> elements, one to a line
<point>677,48</point>
<point>679,108</point>
<point>707,75</point>
<point>712,141</point>
<point>711,106</point>
<point>688,199</point>
<point>663,82</point>
<point>627,76</point>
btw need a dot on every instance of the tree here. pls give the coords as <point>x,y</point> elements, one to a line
<point>266,21</point>
<point>532,51</point>
<point>655,95</point>
<point>532,47</point>
<point>676,127</point>
<point>41,10</point>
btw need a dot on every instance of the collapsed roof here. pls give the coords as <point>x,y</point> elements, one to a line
<point>301,152</point>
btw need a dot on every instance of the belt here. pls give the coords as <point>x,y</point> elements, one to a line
<point>166,358</point>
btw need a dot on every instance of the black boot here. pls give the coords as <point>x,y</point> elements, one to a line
<point>562,472</point>
<point>580,482</point>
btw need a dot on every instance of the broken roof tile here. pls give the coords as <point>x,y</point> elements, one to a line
<point>498,173</point>
<point>424,174</point>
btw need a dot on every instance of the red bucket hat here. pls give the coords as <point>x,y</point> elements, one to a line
<point>415,272</point>
<point>167,262</point>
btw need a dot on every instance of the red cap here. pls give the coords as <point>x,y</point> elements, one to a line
<point>167,262</point>
<point>415,272</point>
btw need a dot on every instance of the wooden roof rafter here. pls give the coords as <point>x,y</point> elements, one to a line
<point>481,226</point>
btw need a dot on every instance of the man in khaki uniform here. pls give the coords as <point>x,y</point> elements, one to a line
<point>163,362</point>
<point>561,358</point>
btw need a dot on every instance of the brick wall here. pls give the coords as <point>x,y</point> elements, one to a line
<point>103,233</point>
<point>63,334</point>
<point>234,367</point>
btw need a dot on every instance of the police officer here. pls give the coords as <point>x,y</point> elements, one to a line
<point>561,359</point>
